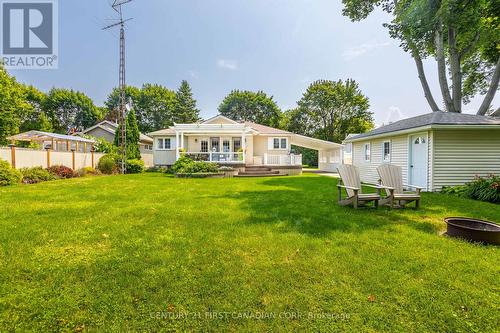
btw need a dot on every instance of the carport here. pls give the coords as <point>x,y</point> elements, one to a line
<point>329,153</point>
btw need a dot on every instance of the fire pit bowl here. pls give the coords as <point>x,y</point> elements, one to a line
<point>473,230</point>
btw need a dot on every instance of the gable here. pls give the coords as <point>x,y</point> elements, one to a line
<point>219,119</point>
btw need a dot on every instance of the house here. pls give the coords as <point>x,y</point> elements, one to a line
<point>434,150</point>
<point>240,144</point>
<point>107,129</point>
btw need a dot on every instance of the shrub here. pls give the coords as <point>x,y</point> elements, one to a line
<point>226,168</point>
<point>36,175</point>
<point>8,175</point>
<point>481,188</point>
<point>134,166</point>
<point>87,171</point>
<point>61,171</point>
<point>108,164</point>
<point>188,166</point>
<point>181,163</point>
<point>484,189</point>
<point>156,169</point>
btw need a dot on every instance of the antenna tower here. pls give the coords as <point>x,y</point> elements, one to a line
<point>122,120</point>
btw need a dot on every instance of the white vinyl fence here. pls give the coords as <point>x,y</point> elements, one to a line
<point>27,158</point>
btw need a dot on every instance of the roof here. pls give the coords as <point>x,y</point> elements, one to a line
<point>111,127</point>
<point>262,129</point>
<point>430,119</point>
<point>219,116</point>
<point>166,131</point>
<point>42,136</point>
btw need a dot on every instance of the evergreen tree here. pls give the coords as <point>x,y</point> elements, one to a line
<point>132,137</point>
<point>185,106</point>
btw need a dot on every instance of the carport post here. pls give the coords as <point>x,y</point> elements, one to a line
<point>13,155</point>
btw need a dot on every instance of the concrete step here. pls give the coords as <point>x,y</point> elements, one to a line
<point>255,173</point>
<point>240,175</point>
<point>252,168</point>
<point>258,172</point>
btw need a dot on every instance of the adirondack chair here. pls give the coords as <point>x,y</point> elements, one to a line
<point>391,179</point>
<point>350,181</point>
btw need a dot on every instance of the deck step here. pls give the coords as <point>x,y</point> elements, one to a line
<point>244,175</point>
<point>255,168</point>
<point>259,172</point>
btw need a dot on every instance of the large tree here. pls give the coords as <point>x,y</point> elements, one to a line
<point>13,105</point>
<point>156,107</point>
<point>462,36</point>
<point>35,118</point>
<point>70,110</point>
<point>132,94</point>
<point>251,106</point>
<point>185,106</point>
<point>330,110</point>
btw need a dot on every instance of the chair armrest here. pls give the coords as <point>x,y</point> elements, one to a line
<point>387,187</point>
<point>348,187</point>
<point>378,187</point>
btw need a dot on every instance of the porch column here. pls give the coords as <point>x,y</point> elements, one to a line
<point>182,140</point>
<point>244,146</point>
<point>176,145</point>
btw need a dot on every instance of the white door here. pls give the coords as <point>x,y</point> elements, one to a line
<point>418,160</point>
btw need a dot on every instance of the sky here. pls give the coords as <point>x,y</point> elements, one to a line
<point>277,46</point>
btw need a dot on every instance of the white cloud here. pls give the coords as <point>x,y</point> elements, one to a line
<point>359,50</point>
<point>232,65</point>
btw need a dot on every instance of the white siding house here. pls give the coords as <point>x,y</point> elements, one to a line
<point>434,150</point>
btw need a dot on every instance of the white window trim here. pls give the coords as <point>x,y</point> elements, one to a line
<point>390,151</point>
<point>365,155</point>
<point>165,138</point>
<point>280,138</point>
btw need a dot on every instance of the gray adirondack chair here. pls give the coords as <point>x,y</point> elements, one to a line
<point>391,179</point>
<point>350,181</point>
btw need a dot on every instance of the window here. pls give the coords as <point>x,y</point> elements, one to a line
<point>276,143</point>
<point>204,146</point>
<point>283,143</point>
<point>148,147</point>
<point>236,144</point>
<point>226,146</point>
<point>164,143</point>
<point>280,143</point>
<point>386,149</point>
<point>368,152</point>
<point>215,144</point>
<point>348,148</point>
<point>419,140</point>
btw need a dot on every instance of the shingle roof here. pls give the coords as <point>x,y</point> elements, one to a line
<point>434,118</point>
<point>262,129</point>
<point>111,127</point>
<point>166,131</point>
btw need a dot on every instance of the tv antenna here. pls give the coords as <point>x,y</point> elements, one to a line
<point>122,107</point>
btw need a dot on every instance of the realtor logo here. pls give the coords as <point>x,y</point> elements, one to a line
<point>29,34</point>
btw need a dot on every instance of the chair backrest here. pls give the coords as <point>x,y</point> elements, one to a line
<point>350,177</point>
<point>392,176</point>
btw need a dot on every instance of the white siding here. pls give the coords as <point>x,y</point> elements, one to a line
<point>368,169</point>
<point>459,155</point>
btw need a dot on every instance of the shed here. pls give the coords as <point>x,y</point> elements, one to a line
<point>434,150</point>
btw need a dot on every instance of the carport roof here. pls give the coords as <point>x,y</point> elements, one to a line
<point>312,143</point>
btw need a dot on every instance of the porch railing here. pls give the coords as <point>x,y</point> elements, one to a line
<point>218,157</point>
<point>291,159</point>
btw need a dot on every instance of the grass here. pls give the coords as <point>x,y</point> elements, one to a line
<point>150,252</point>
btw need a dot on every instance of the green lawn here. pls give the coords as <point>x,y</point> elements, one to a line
<point>150,252</point>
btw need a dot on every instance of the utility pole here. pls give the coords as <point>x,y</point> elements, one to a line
<point>122,118</point>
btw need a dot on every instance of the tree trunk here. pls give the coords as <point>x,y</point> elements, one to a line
<point>456,73</point>
<point>443,82</point>
<point>423,81</point>
<point>485,106</point>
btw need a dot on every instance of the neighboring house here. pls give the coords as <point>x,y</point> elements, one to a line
<point>106,129</point>
<point>222,140</point>
<point>434,150</point>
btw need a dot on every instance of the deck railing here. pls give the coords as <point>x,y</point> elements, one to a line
<point>228,157</point>
<point>290,159</point>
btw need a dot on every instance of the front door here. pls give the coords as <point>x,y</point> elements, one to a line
<point>418,160</point>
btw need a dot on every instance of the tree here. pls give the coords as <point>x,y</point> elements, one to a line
<point>461,35</point>
<point>70,110</point>
<point>330,110</point>
<point>35,118</point>
<point>132,137</point>
<point>113,102</point>
<point>13,105</point>
<point>156,107</point>
<point>251,106</point>
<point>185,107</point>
